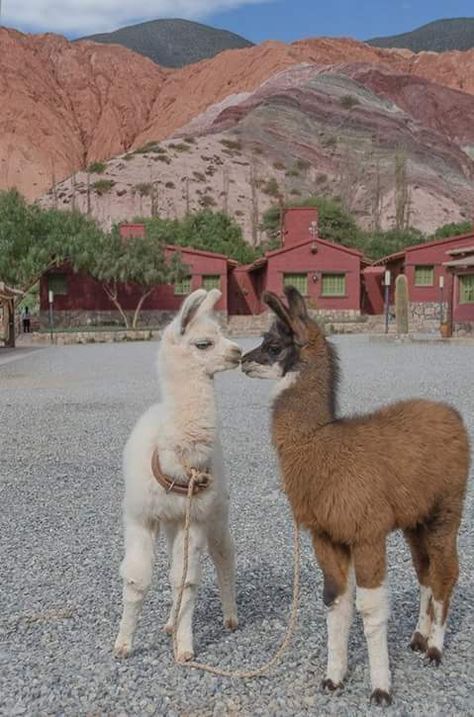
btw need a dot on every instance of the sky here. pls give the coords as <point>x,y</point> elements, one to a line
<point>257,20</point>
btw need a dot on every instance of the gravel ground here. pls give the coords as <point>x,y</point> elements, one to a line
<point>65,414</point>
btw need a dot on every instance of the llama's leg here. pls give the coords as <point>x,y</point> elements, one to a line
<point>221,550</point>
<point>195,548</point>
<point>136,571</point>
<point>444,571</point>
<point>334,561</point>
<point>416,539</point>
<point>372,601</point>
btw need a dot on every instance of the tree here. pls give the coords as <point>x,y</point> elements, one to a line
<point>453,229</point>
<point>335,223</point>
<point>206,230</point>
<point>115,261</point>
<point>33,240</point>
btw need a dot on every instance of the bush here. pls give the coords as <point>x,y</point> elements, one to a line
<point>279,165</point>
<point>302,164</point>
<point>180,147</point>
<point>271,187</point>
<point>234,145</point>
<point>97,168</point>
<point>144,189</point>
<point>170,185</point>
<point>102,186</point>
<point>207,201</point>
<point>348,102</point>
<point>453,229</point>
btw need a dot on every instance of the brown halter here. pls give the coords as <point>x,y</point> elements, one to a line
<point>202,478</point>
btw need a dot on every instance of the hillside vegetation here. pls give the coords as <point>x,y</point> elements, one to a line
<point>173,43</point>
<point>437,36</point>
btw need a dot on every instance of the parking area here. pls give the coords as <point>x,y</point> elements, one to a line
<point>65,414</point>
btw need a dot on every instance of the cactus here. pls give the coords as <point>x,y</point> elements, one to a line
<point>401,304</point>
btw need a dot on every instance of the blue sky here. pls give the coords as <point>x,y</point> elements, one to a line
<point>257,20</point>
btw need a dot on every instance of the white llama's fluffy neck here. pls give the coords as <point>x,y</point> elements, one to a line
<point>189,400</point>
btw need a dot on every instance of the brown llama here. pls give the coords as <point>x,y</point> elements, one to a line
<point>351,481</point>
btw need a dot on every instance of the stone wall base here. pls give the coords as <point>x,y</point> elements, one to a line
<point>103,319</point>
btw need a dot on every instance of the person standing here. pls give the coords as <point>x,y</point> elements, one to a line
<point>26,320</point>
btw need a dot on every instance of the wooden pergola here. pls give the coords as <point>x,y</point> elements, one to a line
<point>7,314</point>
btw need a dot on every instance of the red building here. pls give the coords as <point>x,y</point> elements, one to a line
<point>80,300</point>
<point>327,274</point>
<point>440,278</point>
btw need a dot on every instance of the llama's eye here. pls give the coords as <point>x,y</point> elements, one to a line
<point>274,350</point>
<point>203,345</point>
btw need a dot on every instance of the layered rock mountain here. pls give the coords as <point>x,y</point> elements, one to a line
<point>338,130</point>
<point>237,130</point>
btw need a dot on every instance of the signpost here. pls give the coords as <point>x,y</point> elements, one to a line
<point>50,302</point>
<point>386,281</point>
<point>441,293</point>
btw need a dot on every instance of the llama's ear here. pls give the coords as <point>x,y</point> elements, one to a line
<point>210,301</point>
<point>278,307</point>
<point>296,303</point>
<point>190,308</point>
<point>294,323</point>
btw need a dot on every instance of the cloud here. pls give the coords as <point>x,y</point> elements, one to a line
<point>79,17</point>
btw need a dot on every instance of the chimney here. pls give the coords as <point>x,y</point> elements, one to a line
<point>300,224</point>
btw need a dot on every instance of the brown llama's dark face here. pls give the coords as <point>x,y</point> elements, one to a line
<point>279,352</point>
<point>276,356</point>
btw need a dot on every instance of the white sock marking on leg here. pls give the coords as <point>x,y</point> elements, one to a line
<point>438,628</point>
<point>339,620</point>
<point>373,604</point>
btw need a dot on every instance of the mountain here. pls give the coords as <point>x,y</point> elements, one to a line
<point>173,43</point>
<point>437,36</point>
<point>196,134</point>
<point>335,130</point>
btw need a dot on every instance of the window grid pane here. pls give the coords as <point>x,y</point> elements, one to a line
<point>333,285</point>
<point>183,287</point>
<point>211,281</point>
<point>424,275</point>
<point>299,281</point>
<point>467,289</point>
<point>57,283</point>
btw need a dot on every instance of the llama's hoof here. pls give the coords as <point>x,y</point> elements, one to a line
<point>418,643</point>
<point>329,686</point>
<point>381,697</point>
<point>168,628</point>
<point>122,649</point>
<point>185,656</point>
<point>231,623</point>
<point>433,656</point>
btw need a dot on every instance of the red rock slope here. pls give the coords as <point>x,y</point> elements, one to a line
<point>63,105</point>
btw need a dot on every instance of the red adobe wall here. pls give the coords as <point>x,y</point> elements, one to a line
<point>297,224</point>
<point>461,312</point>
<point>87,294</point>
<point>431,254</point>
<point>245,290</point>
<point>132,231</point>
<point>330,258</point>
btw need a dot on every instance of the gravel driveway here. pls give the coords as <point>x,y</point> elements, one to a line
<point>64,416</point>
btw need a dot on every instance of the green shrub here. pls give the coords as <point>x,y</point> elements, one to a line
<point>97,168</point>
<point>234,145</point>
<point>102,186</point>
<point>271,188</point>
<point>348,102</point>
<point>144,189</point>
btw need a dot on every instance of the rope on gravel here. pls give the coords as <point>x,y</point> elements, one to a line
<point>239,674</point>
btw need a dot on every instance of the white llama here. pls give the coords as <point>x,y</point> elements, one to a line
<point>182,429</point>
